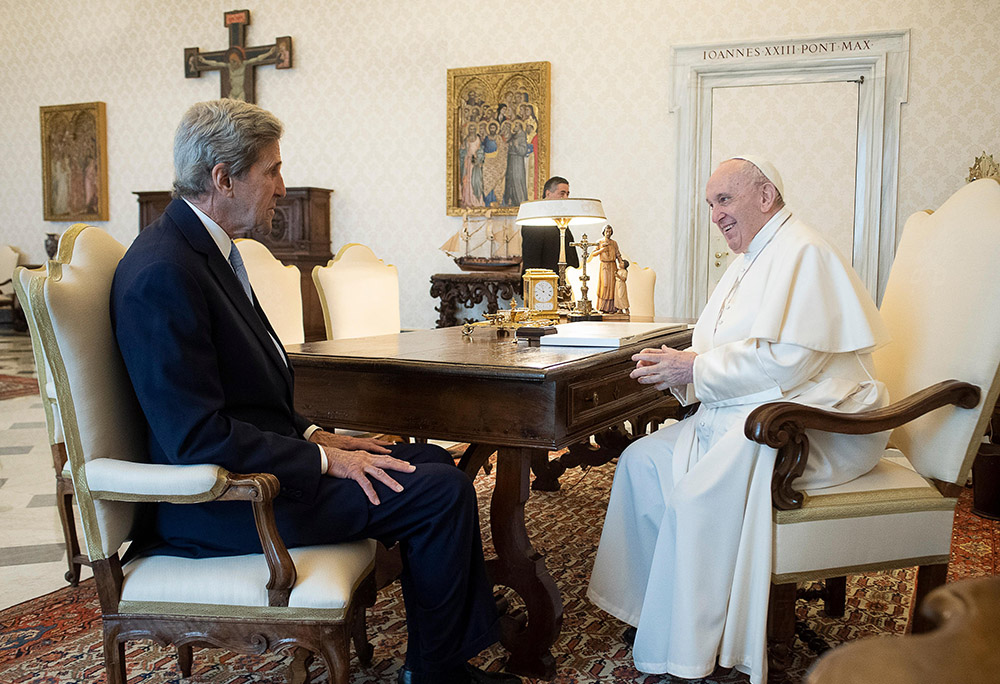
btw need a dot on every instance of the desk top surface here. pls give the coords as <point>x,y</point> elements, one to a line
<point>446,351</point>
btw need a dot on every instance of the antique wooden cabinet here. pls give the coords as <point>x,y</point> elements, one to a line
<point>300,235</point>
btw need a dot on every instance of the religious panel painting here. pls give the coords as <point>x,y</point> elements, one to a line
<point>74,162</point>
<point>498,137</point>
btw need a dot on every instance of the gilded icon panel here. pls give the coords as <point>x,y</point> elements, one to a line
<point>74,162</point>
<point>498,137</point>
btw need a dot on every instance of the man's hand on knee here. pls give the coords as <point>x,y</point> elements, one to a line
<point>361,459</point>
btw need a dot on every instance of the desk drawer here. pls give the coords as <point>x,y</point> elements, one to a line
<point>611,393</point>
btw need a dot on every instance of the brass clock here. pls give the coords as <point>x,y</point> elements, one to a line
<point>541,288</point>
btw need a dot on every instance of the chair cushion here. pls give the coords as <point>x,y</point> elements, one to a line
<point>888,518</point>
<point>236,585</point>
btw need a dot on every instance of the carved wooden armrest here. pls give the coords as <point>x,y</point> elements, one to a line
<point>114,480</point>
<point>260,489</point>
<point>782,425</point>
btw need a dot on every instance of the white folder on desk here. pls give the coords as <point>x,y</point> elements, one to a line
<point>608,334</point>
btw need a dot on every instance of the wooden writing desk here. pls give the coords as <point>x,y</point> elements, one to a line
<point>500,396</point>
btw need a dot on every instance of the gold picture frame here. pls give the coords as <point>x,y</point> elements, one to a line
<point>74,162</point>
<point>495,114</point>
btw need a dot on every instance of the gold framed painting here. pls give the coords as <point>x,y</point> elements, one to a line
<point>74,162</point>
<point>498,137</point>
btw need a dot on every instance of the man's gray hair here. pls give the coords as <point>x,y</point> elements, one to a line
<point>226,131</point>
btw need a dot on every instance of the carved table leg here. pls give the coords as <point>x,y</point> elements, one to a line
<point>521,568</point>
<point>476,456</point>
<point>546,472</point>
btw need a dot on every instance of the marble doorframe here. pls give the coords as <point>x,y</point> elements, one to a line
<point>878,61</point>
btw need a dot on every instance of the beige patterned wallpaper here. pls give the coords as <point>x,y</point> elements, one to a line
<point>365,104</point>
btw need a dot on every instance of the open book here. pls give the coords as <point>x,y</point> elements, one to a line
<point>606,333</point>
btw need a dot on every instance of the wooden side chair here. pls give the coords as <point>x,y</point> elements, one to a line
<point>641,283</point>
<point>942,307</point>
<point>311,598</point>
<point>46,387</point>
<point>278,288</point>
<point>641,288</point>
<point>359,294</point>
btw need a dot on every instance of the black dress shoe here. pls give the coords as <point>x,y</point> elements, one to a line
<point>469,674</point>
<point>477,676</point>
<point>628,636</point>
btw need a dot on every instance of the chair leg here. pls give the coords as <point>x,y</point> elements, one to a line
<point>114,657</point>
<point>298,671</point>
<point>836,596</point>
<point>64,503</point>
<point>337,655</point>
<point>359,634</point>
<point>780,626</point>
<point>364,597</point>
<point>929,578</point>
<point>185,659</point>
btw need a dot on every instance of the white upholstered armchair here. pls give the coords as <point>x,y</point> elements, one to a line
<point>942,308</point>
<point>278,288</point>
<point>310,598</point>
<point>75,558</point>
<point>359,293</point>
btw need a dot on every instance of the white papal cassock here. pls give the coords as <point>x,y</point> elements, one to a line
<point>685,554</point>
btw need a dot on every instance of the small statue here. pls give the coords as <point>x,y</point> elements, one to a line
<point>611,260</point>
<point>621,291</point>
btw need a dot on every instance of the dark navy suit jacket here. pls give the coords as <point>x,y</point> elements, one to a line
<point>540,248</point>
<point>211,382</point>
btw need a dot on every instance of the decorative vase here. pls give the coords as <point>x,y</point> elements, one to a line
<point>51,244</point>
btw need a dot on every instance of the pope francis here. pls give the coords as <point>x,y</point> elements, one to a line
<point>685,555</point>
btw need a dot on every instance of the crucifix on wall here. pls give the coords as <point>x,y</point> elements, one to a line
<point>237,63</point>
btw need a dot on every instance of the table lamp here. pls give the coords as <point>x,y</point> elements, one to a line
<point>562,213</point>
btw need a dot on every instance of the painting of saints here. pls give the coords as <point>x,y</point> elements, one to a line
<point>497,137</point>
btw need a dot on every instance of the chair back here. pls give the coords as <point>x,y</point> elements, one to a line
<point>100,415</point>
<point>942,308</point>
<point>359,294</point>
<point>278,289</point>
<point>641,283</point>
<point>46,386</point>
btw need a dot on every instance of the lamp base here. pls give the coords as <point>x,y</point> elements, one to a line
<point>592,316</point>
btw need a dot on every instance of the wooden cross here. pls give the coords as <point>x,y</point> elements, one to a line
<point>237,63</point>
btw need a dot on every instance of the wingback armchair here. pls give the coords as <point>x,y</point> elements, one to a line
<point>75,558</point>
<point>278,289</point>
<point>942,308</point>
<point>310,598</point>
<point>359,294</point>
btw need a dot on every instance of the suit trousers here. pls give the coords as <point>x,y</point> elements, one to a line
<point>450,610</point>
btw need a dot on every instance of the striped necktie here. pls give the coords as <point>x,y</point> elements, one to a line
<point>236,261</point>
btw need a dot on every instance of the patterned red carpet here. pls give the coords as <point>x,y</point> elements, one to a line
<point>12,386</point>
<point>56,639</point>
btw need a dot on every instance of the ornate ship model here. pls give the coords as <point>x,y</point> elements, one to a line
<point>490,245</point>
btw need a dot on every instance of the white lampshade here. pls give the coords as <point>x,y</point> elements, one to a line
<point>580,210</point>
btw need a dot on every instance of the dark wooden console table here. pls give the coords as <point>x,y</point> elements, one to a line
<point>300,236</point>
<point>516,400</point>
<point>469,288</point>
